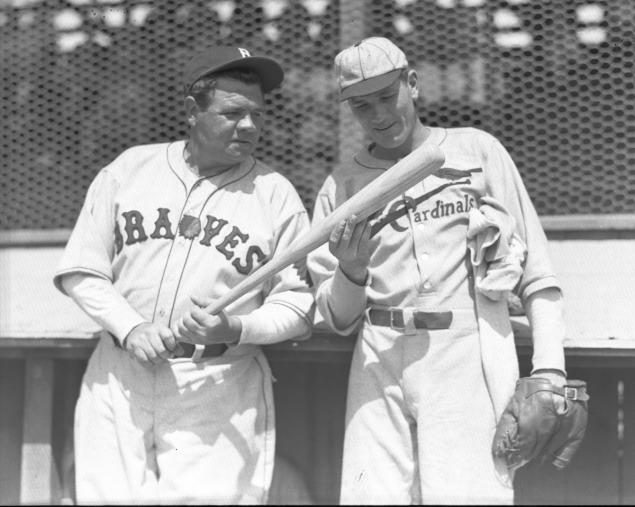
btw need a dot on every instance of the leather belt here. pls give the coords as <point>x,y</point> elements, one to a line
<point>189,350</point>
<point>421,320</point>
<point>218,349</point>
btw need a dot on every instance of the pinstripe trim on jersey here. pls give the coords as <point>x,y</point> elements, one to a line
<point>238,177</point>
<point>438,135</point>
<point>538,283</point>
<point>76,269</point>
<point>305,315</point>
<point>357,161</point>
<point>174,171</point>
<point>366,160</point>
<point>182,159</point>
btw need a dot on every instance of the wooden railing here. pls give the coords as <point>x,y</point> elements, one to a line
<point>40,382</point>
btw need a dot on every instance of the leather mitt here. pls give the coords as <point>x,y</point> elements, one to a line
<point>542,421</point>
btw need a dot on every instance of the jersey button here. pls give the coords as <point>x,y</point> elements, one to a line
<point>161,313</point>
<point>427,285</point>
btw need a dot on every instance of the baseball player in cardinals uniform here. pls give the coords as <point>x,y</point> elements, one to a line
<point>176,404</point>
<point>423,282</point>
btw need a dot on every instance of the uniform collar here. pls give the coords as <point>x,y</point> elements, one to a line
<point>178,165</point>
<point>365,159</point>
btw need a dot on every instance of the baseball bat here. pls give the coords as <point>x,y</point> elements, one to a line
<point>420,163</point>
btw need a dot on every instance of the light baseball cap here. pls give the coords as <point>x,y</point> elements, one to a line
<point>219,58</point>
<point>368,66</point>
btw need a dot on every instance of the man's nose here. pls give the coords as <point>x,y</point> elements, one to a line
<point>379,114</point>
<point>247,123</point>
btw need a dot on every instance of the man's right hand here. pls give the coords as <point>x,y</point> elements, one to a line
<point>150,343</point>
<point>350,244</point>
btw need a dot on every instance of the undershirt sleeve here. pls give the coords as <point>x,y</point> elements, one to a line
<point>99,299</point>
<point>273,323</point>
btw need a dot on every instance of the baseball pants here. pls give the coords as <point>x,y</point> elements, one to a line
<point>420,422</point>
<point>181,432</point>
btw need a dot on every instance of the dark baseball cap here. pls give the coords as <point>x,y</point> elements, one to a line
<point>219,58</point>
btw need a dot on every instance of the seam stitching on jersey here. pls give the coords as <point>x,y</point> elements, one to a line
<point>367,166</point>
<point>224,185</point>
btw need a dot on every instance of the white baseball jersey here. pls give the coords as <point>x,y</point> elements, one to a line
<point>433,378</point>
<point>161,234</point>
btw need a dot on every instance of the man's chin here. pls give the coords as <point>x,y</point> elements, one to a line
<point>240,155</point>
<point>389,142</point>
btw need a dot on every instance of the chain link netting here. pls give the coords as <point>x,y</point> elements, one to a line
<point>82,80</point>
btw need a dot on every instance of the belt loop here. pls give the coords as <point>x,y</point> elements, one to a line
<point>409,321</point>
<point>367,314</point>
<point>198,352</point>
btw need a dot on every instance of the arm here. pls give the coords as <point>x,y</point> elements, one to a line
<point>85,274</point>
<point>145,341</point>
<point>539,288</point>
<point>286,312</point>
<point>91,246</point>
<point>340,287</point>
<point>99,299</point>
<point>271,323</point>
<point>545,313</point>
<point>547,415</point>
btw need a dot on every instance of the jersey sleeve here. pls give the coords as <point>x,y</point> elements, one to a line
<point>99,299</point>
<point>288,299</point>
<point>505,184</point>
<point>340,302</point>
<point>290,286</point>
<point>90,248</point>
<point>538,287</point>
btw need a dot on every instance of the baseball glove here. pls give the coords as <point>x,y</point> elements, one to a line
<point>542,421</point>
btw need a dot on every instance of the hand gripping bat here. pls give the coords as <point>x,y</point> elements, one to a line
<point>422,162</point>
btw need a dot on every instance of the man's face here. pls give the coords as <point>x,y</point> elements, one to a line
<point>388,115</point>
<point>229,129</point>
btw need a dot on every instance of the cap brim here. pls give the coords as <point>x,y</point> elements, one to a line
<point>270,72</point>
<point>372,85</point>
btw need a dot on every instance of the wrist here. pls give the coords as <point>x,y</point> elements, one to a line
<point>356,274</point>
<point>541,371</point>
<point>235,326</point>
<point>555,376</point>
<point>124,340</point>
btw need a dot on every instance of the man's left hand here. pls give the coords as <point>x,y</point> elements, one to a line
<point>197,326</point>
<point>542,419</point>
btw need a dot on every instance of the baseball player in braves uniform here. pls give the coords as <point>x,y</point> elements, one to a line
<point>434,363</point>
<point>176,404</point>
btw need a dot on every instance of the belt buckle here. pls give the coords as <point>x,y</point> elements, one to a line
<point>570,393</point>
<point>392,322</point>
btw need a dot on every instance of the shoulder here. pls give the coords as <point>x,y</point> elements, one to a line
<point>274,188</point>
<point>134,159</point>
<point>352,174</point>
<point>470,138</point>
<point>474,144</point>
<point>270,180</point>
<point>142,152</point>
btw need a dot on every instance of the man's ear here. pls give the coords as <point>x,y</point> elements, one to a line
<point>413,84</point>
<point>191,110</point>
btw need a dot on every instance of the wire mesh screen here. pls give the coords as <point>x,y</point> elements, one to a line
<point>82,80</point>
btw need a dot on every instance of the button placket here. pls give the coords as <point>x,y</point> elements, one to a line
<point>424,263</point>
<point>175,264</point>
<point>418,231</point>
